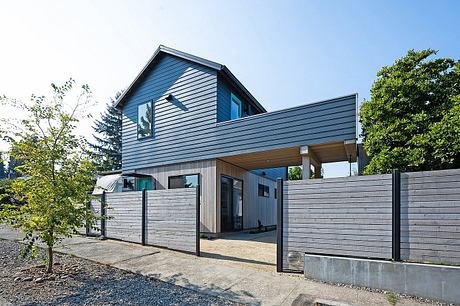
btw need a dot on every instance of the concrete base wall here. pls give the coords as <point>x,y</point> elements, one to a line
<point>429,281</point>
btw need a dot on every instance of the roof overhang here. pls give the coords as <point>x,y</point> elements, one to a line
<point>222,69</point>
<point>324,153</point>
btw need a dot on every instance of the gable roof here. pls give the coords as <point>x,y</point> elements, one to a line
<point>222,69</point>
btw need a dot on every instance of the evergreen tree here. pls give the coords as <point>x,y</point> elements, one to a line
<point>107,149</point>
<point>2,168</point>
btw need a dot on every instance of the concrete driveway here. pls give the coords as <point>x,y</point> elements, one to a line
<point>243,250</point>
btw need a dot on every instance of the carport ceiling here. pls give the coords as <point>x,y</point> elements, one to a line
<point>325,153</point>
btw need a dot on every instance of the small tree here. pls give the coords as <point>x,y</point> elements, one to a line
<point>107,148</point>
<point>58,173</point>
<point>294,173</point>
<point>412,120</point>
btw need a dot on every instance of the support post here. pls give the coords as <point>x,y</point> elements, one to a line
<point>144,215</point>
<point>88,206</point>
<point>396,215</point>
<point>279,226</point>
<point>306,167</point>
<point>103,215</point>
<point>198,221</point>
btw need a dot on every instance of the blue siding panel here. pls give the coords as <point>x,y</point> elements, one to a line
<point>194,125</point>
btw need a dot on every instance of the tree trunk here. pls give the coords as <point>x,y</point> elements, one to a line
<point>50,260</point>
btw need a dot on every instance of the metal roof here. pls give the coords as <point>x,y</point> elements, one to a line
<point>199,60</point>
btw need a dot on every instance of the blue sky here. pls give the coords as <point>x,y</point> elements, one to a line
<point>285,52</point>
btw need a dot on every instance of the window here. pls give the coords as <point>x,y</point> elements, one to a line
<point>276,194</point>
<point>144,120</point>
<point>144,183</point>
<point>184,181</point>
<point>235,108</point>
<point>264,191</point>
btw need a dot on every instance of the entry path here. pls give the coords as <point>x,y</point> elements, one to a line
<point>210,276</point>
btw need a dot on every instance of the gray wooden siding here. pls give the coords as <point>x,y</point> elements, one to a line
<point>328,121</point>
<point>177,123</point>
<point>430,216</point>
<point>95,205</point>
<point>207,171</point>
<point>186,129</point>
<point>340,216</point>
<point>124,214</point>
<point>254,207</point>
<point>171,219</point>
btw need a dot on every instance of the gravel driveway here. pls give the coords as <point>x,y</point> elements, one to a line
<point>77,281</point>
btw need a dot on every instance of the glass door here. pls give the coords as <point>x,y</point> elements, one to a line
<point>231,201</point>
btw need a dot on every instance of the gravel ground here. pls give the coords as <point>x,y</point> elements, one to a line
<point>77,281</point>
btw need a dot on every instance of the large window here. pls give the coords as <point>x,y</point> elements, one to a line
<point>184,181</point>
<point>235,107</point>
<point>144,120</point>
<point>264,191</point>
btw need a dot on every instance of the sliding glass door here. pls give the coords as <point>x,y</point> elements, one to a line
<point>231,201</point>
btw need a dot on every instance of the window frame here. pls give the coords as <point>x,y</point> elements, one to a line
<point>265,190</point>
<point>236,100</point>
<point>137,122</point>
<point>179,175</point>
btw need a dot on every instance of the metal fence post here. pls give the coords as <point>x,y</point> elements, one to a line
<point>88,207</point>
<point>279,226</point>
<point>144,215</point>
<point>396,215</point>
<point>198,221</point>
<point>103,215</point>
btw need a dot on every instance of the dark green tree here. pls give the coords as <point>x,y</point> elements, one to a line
<point>107,148</point>
<point>2,168</point>
<point>412,121</point>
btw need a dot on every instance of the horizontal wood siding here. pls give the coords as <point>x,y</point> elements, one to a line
<point>340,216</point>
<point>207,171</point>
<point>177,123</point>
<point>430,216</point>
<point>95,205</point>
<point>186,128</point>
<point>171,219</point>
<point>124,214</point>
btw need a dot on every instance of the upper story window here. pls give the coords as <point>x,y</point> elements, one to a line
<point>144,120</point>
<point>236,107</point>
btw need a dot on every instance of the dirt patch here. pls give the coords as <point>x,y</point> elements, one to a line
<point>77,281</point>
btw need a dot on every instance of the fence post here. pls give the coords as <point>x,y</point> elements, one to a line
<point>88,207</point>
<point>396,215</point>
<point>198,221</point>
<point>103,215</point>
<point>144,215</point>
<point>279,226</point>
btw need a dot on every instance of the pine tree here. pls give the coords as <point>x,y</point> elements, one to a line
<point>2,168</point>
<point>107,149</point>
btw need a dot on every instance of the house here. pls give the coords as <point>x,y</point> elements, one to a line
<point>188,121</point>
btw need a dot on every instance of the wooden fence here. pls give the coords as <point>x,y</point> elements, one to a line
<point>430,216</point>
<point>348,216</point>
<point>413,217</point>
<point>164,218</point>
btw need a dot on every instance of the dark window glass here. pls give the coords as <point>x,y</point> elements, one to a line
<point>276,194</point>
<point>144,120</point>
<point>263,191</point>
<point>183,181</point>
